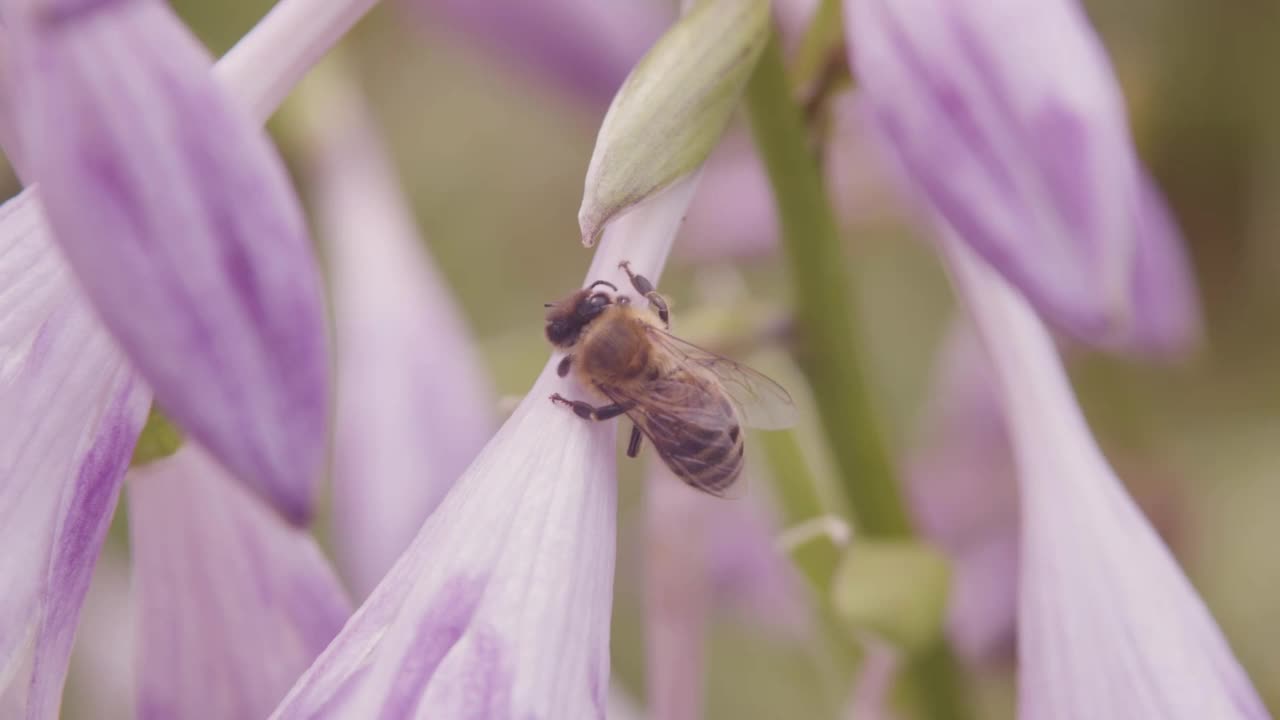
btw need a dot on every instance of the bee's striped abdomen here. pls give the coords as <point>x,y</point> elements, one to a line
<point>708,458</point>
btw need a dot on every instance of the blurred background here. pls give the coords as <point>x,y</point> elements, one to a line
<point>491,146</point>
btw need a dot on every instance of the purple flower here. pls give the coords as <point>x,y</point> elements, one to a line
<point>177,217</point>
<point>1109,627</point>
<point>501,606</point>
<point>71,409</point>
<point>963,489</point>
<point>413,407</point>
<point>1006,119</point>
<point>71,405</point>
<point>231,604</point>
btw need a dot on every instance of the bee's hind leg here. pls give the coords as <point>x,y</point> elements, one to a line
<point>633,447</point>
<point>587,411</point>
<point>642,285</point>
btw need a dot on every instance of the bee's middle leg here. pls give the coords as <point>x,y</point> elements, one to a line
<point>633,447</point>
<point>587,411</point>
<point>642,285</point>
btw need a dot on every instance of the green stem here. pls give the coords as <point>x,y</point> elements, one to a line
<point>828,351</point>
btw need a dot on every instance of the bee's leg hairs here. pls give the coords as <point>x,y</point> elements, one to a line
<point>642,285</point>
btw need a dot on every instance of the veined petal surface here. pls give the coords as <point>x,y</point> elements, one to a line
<point>71,410</point>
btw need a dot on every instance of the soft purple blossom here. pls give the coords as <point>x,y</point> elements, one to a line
<point>962,485</point>
<point>1007,120</point>
<point>1109,627</point>
<point>177,217</point>
<point>72,409</point>
<point>585,46</point>
<point>501,606</point>
<point>231,603</point>
<point>413,403</point>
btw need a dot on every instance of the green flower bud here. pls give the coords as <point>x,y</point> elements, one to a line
<point>673,107</point>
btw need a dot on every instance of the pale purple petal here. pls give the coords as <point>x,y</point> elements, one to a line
<point>874,684</point>
<point>71,411</point>
<point>1006,117</point>
<point>1109,627</point>
<point>585,46</point>
<point>963,489</point>
<point>414,406</point>
<point>177,217</point>
<point>1164,288</point>
<point>232,603</point>
<point>501,606</point>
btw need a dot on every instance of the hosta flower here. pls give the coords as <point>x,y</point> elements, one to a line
<point>501,605</point>
<point>72,405</point>
<point>1109,627</point>
<point>1006,118</point>
<point>179,222</point>
<point>413,408</point>
<point>231,604</point>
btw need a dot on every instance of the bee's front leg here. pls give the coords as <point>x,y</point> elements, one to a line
<point>587,411</point>
<point>642,285</point>
<point>633,447</point>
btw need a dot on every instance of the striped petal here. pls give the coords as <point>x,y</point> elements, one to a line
<point>1006,117</point>
<point>232,603</point>
<point>177,217</point>
<point>71,410</point>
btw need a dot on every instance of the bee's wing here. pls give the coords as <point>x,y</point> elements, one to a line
<point>679,416</point>
<point>761,402</point>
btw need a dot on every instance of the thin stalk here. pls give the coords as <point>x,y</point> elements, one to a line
<point>828,349</point>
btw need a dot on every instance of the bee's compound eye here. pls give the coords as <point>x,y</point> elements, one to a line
<point>598,300</point>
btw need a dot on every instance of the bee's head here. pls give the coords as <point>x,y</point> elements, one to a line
<point>567,318</point>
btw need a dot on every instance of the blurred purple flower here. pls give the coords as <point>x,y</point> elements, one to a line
<point>71,409</point>
<point>1006,117</point>
<point>178,219</point>
<point>231,603</point>
<point>1109,627</point>
<point>414,406</point>
<point>501,606</point>
<point>585,46</point>
<point>963,489</point>
<point>704,557</point>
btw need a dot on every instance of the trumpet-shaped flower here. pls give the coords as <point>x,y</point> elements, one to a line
<point>177,217</point>
<point>1109,627</point>
<point>501,606</point>
<point>231,603</point>
<point>413,406</point>
<point>1006,118</point>
<point>72,404</point>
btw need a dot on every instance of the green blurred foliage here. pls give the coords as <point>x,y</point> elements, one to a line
<point>494,157</point>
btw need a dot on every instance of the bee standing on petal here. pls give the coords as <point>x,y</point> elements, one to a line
<point>689,402</point>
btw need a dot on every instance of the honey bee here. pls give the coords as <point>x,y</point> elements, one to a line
<point>689,402</point>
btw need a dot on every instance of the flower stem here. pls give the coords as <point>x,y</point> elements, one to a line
<point>828,350</point>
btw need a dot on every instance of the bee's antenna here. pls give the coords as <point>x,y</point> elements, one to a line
<point>548,304</point>
<point>602,282</point>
